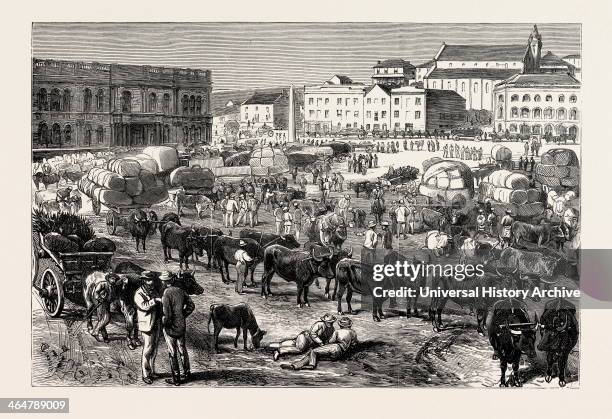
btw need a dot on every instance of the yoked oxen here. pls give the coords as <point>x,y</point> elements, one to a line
<point>208,237</point>
<point>418,263</point>
<point>184,239</point>
<point>531,264</point>
<point>336,257</point>
<point>224,251</point>
<point>296,266</point>
<point>524,232</point>
<point>268,239</point>
<point>139,225</point>
<point>512,333</point>
<point>559,334</point>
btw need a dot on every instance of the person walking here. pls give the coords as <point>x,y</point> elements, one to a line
<point>177,306</point>
<point>148,304</point>
<point>297,220</point>
<point>287,221</point>
<point>278,218</point>
<point>370,243</point>
<point>242,261</point>
<point>387,236</point>
<point>506,228</point>
<point>231,206</point>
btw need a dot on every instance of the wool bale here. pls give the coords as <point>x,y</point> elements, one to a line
<point>573,171</point>
<point>110,197</point>
<point>152,196</point>
<point>208,163</point>
<point>443,182</point>
<point>570,182</point>
<point>501,153</point>
<point>549,181</point>
<point>429,162</point>
<point>565,157</point>
<point>165,157</point>
<point>99,244</point>
<point>518,197</point>
<point>516,181</point>
<point>529,209</point>
<point>108,179</point>
<point>498,177</point>
<point>146,162</point>
<point>147,179</point>
<point>533,195</point>
<point>552,170</point>
<point>133,186</point>
<point>192,178</point>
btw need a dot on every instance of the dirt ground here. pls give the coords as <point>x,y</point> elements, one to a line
<point>395,352</point>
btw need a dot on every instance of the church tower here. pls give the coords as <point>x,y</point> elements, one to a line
<point>531,62</point>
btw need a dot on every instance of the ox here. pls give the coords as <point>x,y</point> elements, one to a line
<point>511,334</point>
<point>295,266</point>
<point>183,239</point>
<point>530,233</point>
<point>534,264</point>
<point>268,239</point>
<point>559,334</point>
<point>208,236</point>
<point>239,317</point>
<point>139,225</point>
<point>224,251</point>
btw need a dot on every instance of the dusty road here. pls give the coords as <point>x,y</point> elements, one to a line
<point>394,352</point>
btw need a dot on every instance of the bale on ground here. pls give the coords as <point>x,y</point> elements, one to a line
<point>165,157</point>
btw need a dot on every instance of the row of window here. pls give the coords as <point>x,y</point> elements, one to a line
<point>256,117</point>
<point>537,129</point>
<point>537,113</point>
<point>246,108</point>
<point>449,86</point>
<point>56,136</point>
<point>538,98</point>
<point>498,65</point>
<point>386,71</point>
<point>355,101</point>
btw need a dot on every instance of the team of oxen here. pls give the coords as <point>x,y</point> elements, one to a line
<point>511,331</point>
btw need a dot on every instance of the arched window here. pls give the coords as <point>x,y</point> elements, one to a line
<point>100,134</point>
<point>56,134</point>
<point>434,84</point>
<point>500,112</point>
<point>548,113</point>
<point>514,98</point>
<point>525,112</point>
<point>198,105</point>
<point>549,98</point>
<point>192,105</point>
<point>475,87</point>
<point>561,113</point>
<point>449,85</point>
<point>573,99</point>
<point>43,103</point>
<point>573,131</point>
<point>67,134</point>
<point>525,129</point>
<point>486,87</point>
<point>500,98</point>
<point>87,139</point>
<point>561,98</point>
<point>166,104</point>
<point>55,100</point>
<point>573,114</point>
<point>536,98</point>
<point>152,103</point>
<point>536,129</point>
<point>185,104</point>
<point>66,99</point>
<point>87,100</point>
<point>561,130</point>
<point>514,112</point>
<point>526,98</point>
<point>43,134</point>
<point>100,100</point>
<point>548,129</point>
<point>512,127</point>
<point>537,113</point>
<point>463,86</point>
<point>126,101</point>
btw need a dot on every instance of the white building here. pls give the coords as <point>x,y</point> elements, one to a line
<point>423,69</point>
<point>537,104</point>
<point>335,105</point>
<point>408,109</point>
<point>393,73</point>
<point>269,109</point>
<point>576,61</point>
<point>377,108</point>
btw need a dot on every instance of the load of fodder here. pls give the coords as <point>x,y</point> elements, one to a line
<point>404,173</point>
<point>559,168</point>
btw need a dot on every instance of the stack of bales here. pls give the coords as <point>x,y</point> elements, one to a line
<point>559,169</point>
<point>448,181</point>
<point>193,179</point>
<point>208,163</point>
<point>267,161</point>
<point>502,155</point>
<point>560,203</point>
<point>124,182</point>
<point>510,190</point>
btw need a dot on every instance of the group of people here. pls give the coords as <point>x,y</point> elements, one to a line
<point>244,206</point>
<point>362,162</point>
<point>534,145</point>
<point>462,153</point>
<point>327,184</point>
<point>526,164</point>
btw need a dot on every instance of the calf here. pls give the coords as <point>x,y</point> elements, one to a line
<point>240,316</point>
<point>139,226</point>
<point>184,239</point>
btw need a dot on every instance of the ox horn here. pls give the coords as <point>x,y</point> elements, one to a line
<point>536,321</point>
<point>350,253</point>
<point>564,325</point>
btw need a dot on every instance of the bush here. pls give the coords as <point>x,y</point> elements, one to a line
<point>63,223</point>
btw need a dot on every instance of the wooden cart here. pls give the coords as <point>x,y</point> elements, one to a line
<point>57,276</point>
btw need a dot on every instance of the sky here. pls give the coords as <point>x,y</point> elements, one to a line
<point>258,55</point>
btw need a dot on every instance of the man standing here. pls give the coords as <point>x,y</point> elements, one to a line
<point>532,164</point>
<point>242,211</point>
<point>339,344</point>
<point>177,306</point>
<point>278,219</point>
<point>253,209</point>
<point>231,206</point>
<point>297,220</point>
<point>147,302</point>
<point>527,148</point>
<point>315,174</point>
<point>401,214</point>
<point>242,261</point>
<point>340,182</point>
<point>370,242</point>
<point>98,294</point>
<point>343,205</point>
<point>318,335</point>
<point>350,164</point>
<point>393,217</point>
<point>506,228</point>
<point>294,173</point>
<point>387,236</point>
<point>326,189</point>
<point>375,160</point>
<point>287,221</point>
<point>481,224</point>
<point>411,218</point>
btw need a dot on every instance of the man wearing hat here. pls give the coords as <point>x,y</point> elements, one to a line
<point>242,211</point>
<point>369,244</point>
<point>343,205</point>
<point>401,214</point>
<point>387,236</point>
<point>287,221</point>
<point>481,223</point>
<point>177,306</point>
<point>506,228</point>
<point>339,344</point>
<point>278,218</point>
<point>242,260</point>
<point>253,209</point>
<point>297,220</point>
<point>318,335</point>
<point>231,206</point>
<point>147,301</point>
<point>99,293</point>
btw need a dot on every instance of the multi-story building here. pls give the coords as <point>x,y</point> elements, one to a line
<point>393,73</point>
<point>334,105</point>
<point>576,61</point>
<point>422,70</point>
<point>77,105</point>
<point>377,108</point>
<point>538,103</point>
<point>408,109</point>
<point>265,108</point>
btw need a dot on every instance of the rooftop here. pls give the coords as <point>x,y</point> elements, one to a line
<point>571,56</point>
<point>542,80</point>
<point>386,89</point>
<point>440,94</point>
<point>552,60</point>
<point>472,73</point>
<point>482,53</point>
<point>343,79</point>
<point>263,98</point>
<point>393,62</point>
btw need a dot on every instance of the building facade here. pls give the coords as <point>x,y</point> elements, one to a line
<point>408,109</point>
<point>538,104</point>
<point>265,109</point>
<point>576,61</point>
<point>393,73</point>
<point>335,105</point>
<point>226,119</point>
<point>377,108</point>
<point>78,105</point>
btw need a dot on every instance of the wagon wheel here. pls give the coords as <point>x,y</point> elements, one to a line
<point>112,221</point>
<point>95,206</point>
<point>51,292</point>
<point>34,263</point>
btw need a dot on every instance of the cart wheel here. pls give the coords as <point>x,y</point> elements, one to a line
<point>34,263</point>
<point>111,222</point>
<point>52,293</point>
<point>95,205</point>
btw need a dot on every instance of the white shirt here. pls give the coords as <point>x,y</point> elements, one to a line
<point>371,240</point>
<point>401,213</point>
<point>242,256</point>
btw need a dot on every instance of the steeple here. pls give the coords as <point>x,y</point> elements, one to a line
<point>531,62</point>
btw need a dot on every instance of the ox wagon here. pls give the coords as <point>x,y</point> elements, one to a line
<point>116,215</point>
<point>58,276</point>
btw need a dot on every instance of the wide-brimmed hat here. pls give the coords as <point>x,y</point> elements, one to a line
<point>347,196</point>
<point>296,204</point>
<point>372,224</point>
<point>328,318</point>
<point>384,224</point>
<point>345,322</point>
<point>167,276</point>
<point>242,243</point>
<point>148,275</point>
